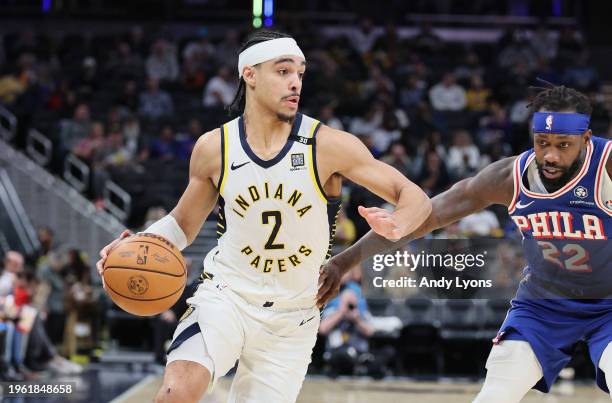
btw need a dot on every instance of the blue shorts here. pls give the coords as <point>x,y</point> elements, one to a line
<point>553,326</point>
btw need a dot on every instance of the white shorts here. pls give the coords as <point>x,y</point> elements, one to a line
<point>273,347</point>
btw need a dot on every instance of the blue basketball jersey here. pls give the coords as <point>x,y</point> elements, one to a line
<point>566,293</point>
<point>565,233</point>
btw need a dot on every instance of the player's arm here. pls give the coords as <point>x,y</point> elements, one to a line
<point>493,185</point>
<point>342,153</point>
<point>200,196</point>
<point>182,225</point>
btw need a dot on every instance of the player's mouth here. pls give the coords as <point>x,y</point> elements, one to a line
<point>552,173</point>
<point>292,101</point>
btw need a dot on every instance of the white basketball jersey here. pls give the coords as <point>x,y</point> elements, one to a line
<point>274,229</point>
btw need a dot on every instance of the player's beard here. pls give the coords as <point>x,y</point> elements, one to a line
<point>285,118</point>
<point>552,185</point>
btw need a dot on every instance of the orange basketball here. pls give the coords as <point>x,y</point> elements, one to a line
<point>145,274</point>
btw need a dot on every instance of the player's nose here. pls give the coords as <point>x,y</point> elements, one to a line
<point>296,84</point>
<point>552,157</point>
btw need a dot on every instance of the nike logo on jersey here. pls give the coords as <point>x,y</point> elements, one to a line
<point>519,205</point>
<point>234,167</point>
<point>306,321</point>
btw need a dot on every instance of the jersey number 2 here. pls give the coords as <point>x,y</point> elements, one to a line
<point>265,218</point>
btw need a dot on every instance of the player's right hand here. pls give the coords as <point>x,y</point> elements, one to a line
<point>106,250</point>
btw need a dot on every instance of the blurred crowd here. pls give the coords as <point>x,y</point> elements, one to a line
<point>435,110</point>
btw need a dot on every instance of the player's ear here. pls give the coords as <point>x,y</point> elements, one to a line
<point>587,136</point>
<point>248,74</point>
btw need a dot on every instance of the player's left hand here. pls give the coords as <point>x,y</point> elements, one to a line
<point>330,276</point>
<point>382,222</point>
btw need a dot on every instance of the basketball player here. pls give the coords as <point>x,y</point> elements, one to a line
<point>559,194</point>
<point>277,175</point>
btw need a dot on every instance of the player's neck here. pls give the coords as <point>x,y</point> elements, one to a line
<point>264,130</point>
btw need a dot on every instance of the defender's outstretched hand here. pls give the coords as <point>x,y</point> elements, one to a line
<point>330,276</point>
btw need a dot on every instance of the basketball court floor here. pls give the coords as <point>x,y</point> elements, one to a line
<point>325,390</point>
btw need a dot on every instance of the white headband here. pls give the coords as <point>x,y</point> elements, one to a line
<point>268,50</point>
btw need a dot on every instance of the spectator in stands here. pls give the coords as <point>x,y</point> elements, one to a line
<point>51,276</point>
<point>378,83</point>
<point>470,67</point>
<point>129,97</point>
<point>387,133</point>
<point>345,322</point>
<point>167,147</point>
<point>447,95</point>
<point>87,147</point>
<point>74,130</point>
<point>427,41</point>
<point>12,265</point>
<point>134,140</point>
<point>518,51</point>
<point>228,49</point>
<point>328,117</point>
<point>363,38</point>
<point>82,307</point>
<point>220,90</point>
<point>433,177</point>
<point>463,156</point>
<point>571,44</point>
<point>46,242</point>
<point>412,93</point>
<point>124,63</point>
<point>581,74</point>
<point>189,139</point>
<point>543,43</point>
<point>11,87</point>
<point>477,96</point>
<point>370,122</point>
<point>155,103</point>
<point>88,80</point>
<point>199,51</point>
<point>138,42</point>
<point>398,158</point>
<point>481,224</point>
<point>162,63</point>
<point>495,127</point>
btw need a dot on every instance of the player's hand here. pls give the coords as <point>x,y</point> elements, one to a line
<point>382,222</point>
<point>106,250</point>
<point>330,276</point>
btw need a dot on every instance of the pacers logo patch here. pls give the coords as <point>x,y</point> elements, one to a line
<point>188,312</point>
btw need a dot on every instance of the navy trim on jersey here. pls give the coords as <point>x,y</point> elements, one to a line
<point>269,163</point>
<point>333,209</point>
<point>190,331</point>
<point>221,221</point>
<point>314,165</point>
<point>222,160</point>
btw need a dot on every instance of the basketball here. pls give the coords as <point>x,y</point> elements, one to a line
<point>145,274</point>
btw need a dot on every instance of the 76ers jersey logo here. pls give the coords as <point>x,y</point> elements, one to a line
<point>581,192</point>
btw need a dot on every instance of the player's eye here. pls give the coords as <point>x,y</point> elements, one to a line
<point>301,75</point>
<point>564,145</point>
<point>542,143</point>
<point>282,72</point>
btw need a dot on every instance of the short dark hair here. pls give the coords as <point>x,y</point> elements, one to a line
<point>263,35</point>
<point>558,98</point>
